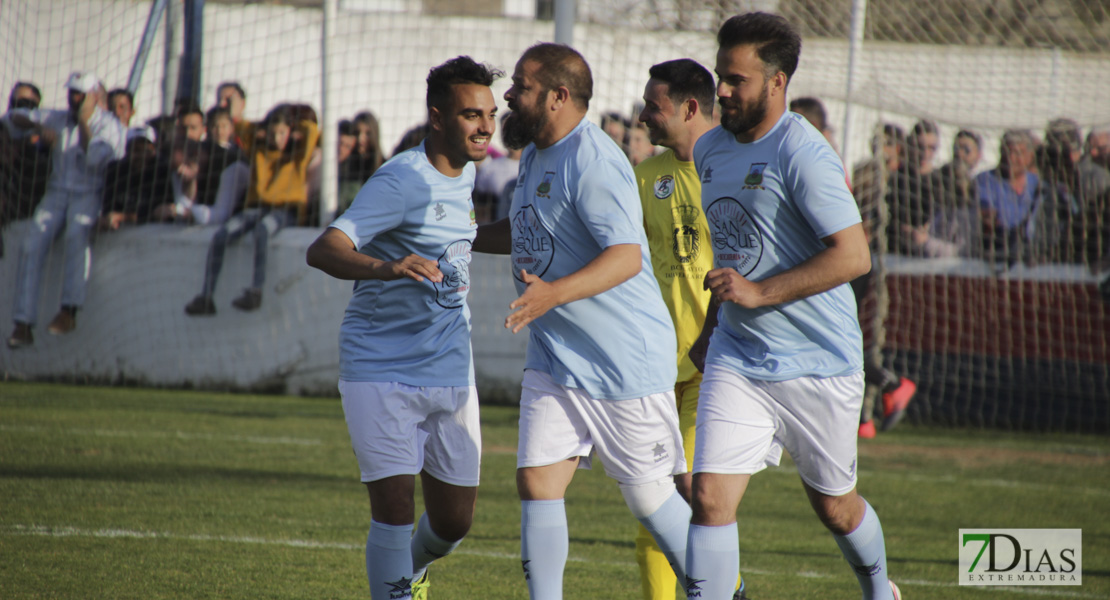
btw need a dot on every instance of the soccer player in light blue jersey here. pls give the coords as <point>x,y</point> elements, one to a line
<point>406,370</point>
<point>784,364</point>
<point>600,369</point>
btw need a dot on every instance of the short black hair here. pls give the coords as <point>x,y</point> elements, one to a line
<point>121,92</point>
<point>346,128</point>
<point>34,88</point>
<point>458,70</point>
<point>563,66</point>
<point>686,79</point>
<point>234,85</point>
<point>776,41</point>
<point>813,110</point>
<point>215,113</point>
<point>971,135</point>
<point>187,106</point>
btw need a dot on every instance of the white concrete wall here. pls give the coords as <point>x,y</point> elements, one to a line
<point>133,327</point>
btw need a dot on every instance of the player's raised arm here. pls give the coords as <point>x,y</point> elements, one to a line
<point>335,254</point>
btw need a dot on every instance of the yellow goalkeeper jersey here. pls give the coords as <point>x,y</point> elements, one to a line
<point>678,238</point>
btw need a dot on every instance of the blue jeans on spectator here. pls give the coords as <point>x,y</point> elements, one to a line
<point>264,222</point>
<point>78,213</point>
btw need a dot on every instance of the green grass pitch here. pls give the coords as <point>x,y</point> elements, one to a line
<point>132,493</point>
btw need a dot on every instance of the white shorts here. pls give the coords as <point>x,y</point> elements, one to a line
<point>744,424</point>
<point>398,429</point>
<point>638,441</point>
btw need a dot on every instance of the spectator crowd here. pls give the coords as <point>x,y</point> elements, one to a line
<point>89,167</point>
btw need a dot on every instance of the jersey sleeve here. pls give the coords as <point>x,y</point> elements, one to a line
<point>608,203</point>
<point>378,207</point>
<point>816,180</point>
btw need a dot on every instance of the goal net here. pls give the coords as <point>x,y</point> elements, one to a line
<point>999,325</point>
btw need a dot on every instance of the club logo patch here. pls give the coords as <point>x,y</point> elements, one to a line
<point>755,174</point>
<point>544,189</point>
<point>737,241</point>
<point>686,245</point>
<point>664,187</point>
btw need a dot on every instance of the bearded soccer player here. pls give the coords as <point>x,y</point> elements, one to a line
<point>784,365</point>
<point>600,370</point>
<point>406,367</point>
<point>678,110</point>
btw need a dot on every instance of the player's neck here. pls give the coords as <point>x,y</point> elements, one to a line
<point>559,126</point>
<point>684,149</point>
<point>440,160</point>
<point>774,113</point>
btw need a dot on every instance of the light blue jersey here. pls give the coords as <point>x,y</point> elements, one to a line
<point>573,200</point>
<point>769,203</point>
<point>405,331</point>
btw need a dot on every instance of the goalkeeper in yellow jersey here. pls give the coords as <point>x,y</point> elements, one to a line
<point>678,109</point>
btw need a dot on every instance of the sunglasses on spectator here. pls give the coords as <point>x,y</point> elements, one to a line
<point>25,103</point>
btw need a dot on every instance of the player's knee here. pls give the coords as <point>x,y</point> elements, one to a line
<point>646,498</point>
<point>452,529</point>
<point>839,514</point>
<point>710,508</point>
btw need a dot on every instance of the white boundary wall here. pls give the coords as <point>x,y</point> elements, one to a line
<point>133,327</point>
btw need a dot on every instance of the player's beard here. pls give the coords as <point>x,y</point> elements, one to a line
<point>746,118</point>
<point>520,128</point>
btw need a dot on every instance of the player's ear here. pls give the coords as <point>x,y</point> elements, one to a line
<point>562,95</point>
<point>435,118</point>
<point>692,108</point>
<point>778,83</point>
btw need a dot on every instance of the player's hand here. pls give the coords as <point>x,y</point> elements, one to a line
<point>411,266</point>
<point>537,299</point>
<point>112,221</point>
<point>188,171</point>
<point>727,285</point>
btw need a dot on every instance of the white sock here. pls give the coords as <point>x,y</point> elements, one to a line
<point>712,561</point>
<point>388,559</point>
<point>427,547</point>
<point>544,546</point>
<point>865,550</point>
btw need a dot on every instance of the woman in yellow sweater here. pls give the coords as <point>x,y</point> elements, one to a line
<point>280,149</point>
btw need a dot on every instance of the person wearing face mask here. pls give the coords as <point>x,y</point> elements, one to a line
<point>82,139</point>
<point>24,163</point>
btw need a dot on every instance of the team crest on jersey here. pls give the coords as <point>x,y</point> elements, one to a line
<point>441,212</point>
<point>544,188</point>
<point>454,263</point>
<point>664,187</point>
<point>737,241</point>
<point>755,174</point>
<point>533,246</point>
<point>686,245</point>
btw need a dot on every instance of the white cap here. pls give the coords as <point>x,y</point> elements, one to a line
<point>145,132</point>
<point>82,82</point>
